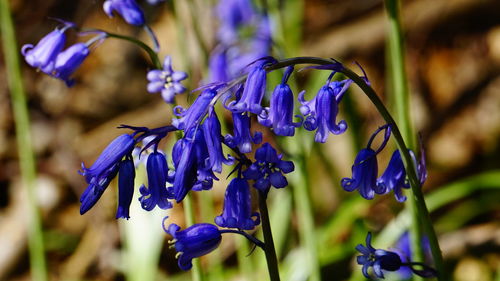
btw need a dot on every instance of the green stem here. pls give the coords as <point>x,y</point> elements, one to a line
<point>401,101</point>
<point>196,272</point>
<point>269,250</point>
<point>24,145</point>
<point>152,54</point>
<point>405,155</point>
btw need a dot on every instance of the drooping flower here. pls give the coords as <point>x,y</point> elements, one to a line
<point>280,113</point>
<point>403,249</point>
<point>192,116</point>
<point>377,258</point>
<point>126,176</point>
<point>394,177</point>
<point>254,89</point>
<point>213,137</point>
<point>237,211</point>
<point>242,138</point>
<point>68,61</point>
<point>104,169</point>
<point>365,169</point>
<point>321,112</point>
<point>166,81</point>
<point>156,193</point>
<point>44,54</point>
<point>192,165</point>
<point>129,10</point>
<point>194,241</point>
<point>268,169</point>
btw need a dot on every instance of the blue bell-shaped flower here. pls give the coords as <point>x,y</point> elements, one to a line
<point>194,241</point>
<point>279,114</point>
<point>237,211</point>
<point>126,176</point>
<point>104,169</point>
<point>156,193</point>
<point>129,10</point>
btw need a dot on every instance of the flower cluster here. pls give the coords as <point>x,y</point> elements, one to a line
<point>365,171</point>
<point>49,57</point>
<point>239,81</point>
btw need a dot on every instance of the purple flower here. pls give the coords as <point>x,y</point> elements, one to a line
<point>68,61</point>
<point>194,241</point>
<point>321,112</point>
<point>242,138</point>
<point>104,169</point>
<point>192,116</point>
<point>280,113</point>
<point>365,169</point>
<point>156,194</point>
<point>213,138</point>
<point>166,81</point>
<point>377,258</point>
<point>237,212</point>
<point>268,169</point>
<point>126,176</point>
<point>394,176</point>
<point>192,165</point>
<point>44,54</point>
<point>128,9</point>
<point>254,89</point>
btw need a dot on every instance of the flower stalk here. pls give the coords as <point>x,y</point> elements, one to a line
<point>405,155</point>
<point>269,249</point>
<point>400,95</point>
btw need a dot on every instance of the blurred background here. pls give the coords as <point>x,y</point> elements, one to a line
<point>453,65</point>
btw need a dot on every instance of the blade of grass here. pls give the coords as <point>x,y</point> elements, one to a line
<point>24,145</point>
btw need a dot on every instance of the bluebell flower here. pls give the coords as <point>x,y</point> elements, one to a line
<point>68,61</point>
<point>321,112</point>
<point>268,169</point>
<point>242,138</point>
<point>166,81</point>
<point>213,138</point>
<point>403,249</point>
<point>104,169</point>
<point>44,54</point>
<point>365,169</point>
<point>394,177</point>
<point>156,194</point>
<point>192,165</point>
<point>192,116</point>
<point>237,211</point>
<point>377,258</point>
<point>254,89</point>
<point>194,241</point>
<point>126,176</point>
<point>279,114</point>
<point>129,10</point>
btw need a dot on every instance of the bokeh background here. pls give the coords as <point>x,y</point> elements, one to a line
<point>453,65</point>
